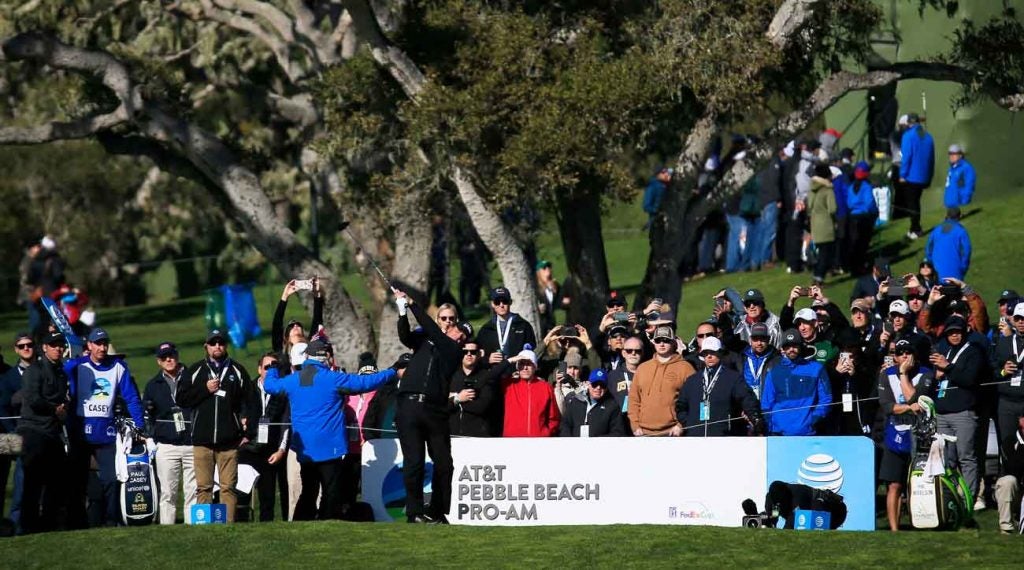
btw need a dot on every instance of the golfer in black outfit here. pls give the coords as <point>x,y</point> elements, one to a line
<point>423,406</point>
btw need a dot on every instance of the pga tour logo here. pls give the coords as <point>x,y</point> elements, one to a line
<point>821,471</point>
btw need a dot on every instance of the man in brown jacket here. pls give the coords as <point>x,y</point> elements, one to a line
<point>652,395</point>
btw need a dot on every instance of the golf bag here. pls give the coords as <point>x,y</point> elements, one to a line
<point>139,498</point>
<point>937,495</point>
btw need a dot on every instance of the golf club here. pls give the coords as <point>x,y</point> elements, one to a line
<point>359,248</point>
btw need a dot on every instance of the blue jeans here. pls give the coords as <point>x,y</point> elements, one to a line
<point>708,242</point>
<point>735,260</point>
<point>763,242</point>
<point>19,484</point>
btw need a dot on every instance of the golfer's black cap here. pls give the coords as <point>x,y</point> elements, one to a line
<point>55,339</point>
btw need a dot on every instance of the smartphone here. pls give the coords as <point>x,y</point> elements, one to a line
<point>888,327</point>
<point>658,301</point>
<point>562,368</point>
<point>844,358</point>
<point>303,284</point>
<point>569,330</point>
<point>620,317</point>
<point>897,291</point>
<point>889,360</point>
<point>805,291</point>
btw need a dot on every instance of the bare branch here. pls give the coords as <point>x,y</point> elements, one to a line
<point>59,130</point>
<point>790,17</point>
<point>280,22</point>
<point>401,67</point>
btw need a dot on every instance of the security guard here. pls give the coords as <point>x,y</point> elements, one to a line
<point>423,407</point>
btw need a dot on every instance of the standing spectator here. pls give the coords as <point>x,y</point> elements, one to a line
<point>916,169</point>
<point>283,338</point>
<point>762,236</point>
<point>957,365</point>
<point>357,420</point>
<point>45,275</point>
<point>797,395</point>
<point>710,401</point>
<point>95,381</point>
<point>960,180</point>
<point>949,247</point>
<point>318,421</point>
<point>423,405</point>
<point>654,193</point>
<point>26,289</point>
<point>1008,487</point>
<point>475,391</point>
<point>1009,365</point>
<point>653,393</point>
<point>741,215</point>
<point>507,333</point>
<point>854,383</point>
<point>549,295</point>
<point>221,395</point>
<point>44,408</point>
<point>170,433</point>
<point>592,413</point>
<point>269,450</point>
<point>759,358</point>
<point>10,404</point>
<point>860,224</point>
<point>530,408</point>
<point>621,379</point>
<point>821,205</point>
<point>756,312</point>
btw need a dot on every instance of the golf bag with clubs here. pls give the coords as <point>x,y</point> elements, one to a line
<point>139,498</point>
<point>937,495</point>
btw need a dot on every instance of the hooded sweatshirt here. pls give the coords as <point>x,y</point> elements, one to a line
<point>653,393</point>
<point>796,396</point>
<point>530,409</point>
<point>821,206</point>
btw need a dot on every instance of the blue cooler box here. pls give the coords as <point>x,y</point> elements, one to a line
<point>209,514</point>
<point>811,520</point>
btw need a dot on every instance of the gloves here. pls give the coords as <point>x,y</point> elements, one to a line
<point>403,306</point>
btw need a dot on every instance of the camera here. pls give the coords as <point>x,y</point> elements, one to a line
<point>569,330</point>
<point>953,292</point>
<point>897,291</point>
<point>620,317</point>
<point>760,520</point>
<point>805,291</point>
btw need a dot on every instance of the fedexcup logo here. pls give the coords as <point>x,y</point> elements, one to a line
<point>821,471</point>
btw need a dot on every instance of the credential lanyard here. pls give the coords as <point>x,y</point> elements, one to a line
<point>709,383</point>
<point>503,336</point>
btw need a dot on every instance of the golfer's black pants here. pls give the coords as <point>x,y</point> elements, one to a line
<point>45,491</point>
<point>317,477</point>
<point>425,425</point>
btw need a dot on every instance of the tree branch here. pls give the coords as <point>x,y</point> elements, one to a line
<point>788,20</point>
<point>394,60</point>
<point>59,130</point>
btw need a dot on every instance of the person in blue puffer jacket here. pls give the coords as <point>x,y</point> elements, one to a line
<point>960,180</point>
<point>797,394</point>
<point>94,383</point>
<point>860,223</point>
<point>916,170</point>
<point>949,247</point>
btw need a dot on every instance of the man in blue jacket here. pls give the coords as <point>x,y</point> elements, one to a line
<point>949,247</point>
<point>655,192</point>
<point>797,393</point>
<point>918,149</point>
<point>318,423</point>
<point>94,382</point>
<point>960,180</point>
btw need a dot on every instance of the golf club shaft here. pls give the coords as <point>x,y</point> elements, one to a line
<point>373,262</point>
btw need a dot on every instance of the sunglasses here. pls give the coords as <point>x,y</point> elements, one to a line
<point>500,303</point>
<point>705,335</point>
<point>524,364</point>
<point>167,357</point>
<point>749,304</point>
<point>25,345</point>
<point>446,319</point>
<point>904,352</point>
<point>1018,319</point>
<point>216,343</point>
<point>631,351</point>
<point>600,385</point>
<point>663,340</point>
<point>470,353</point>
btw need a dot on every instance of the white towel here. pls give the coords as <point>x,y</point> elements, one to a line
<point>936,464</point>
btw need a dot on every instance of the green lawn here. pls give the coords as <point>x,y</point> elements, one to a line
<point>314,545</point>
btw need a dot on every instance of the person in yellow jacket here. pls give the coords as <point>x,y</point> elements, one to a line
<point>653,393</point>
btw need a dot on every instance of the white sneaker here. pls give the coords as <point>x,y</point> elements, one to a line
<point>979,505</point>
<point>912,236</point>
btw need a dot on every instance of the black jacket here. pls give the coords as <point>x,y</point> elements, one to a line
<point>478,418</point>
<point>158,401</point>
<point>277,411</point>
<point>729,396</point>
<point>1013,451</point>
<point>520,335</point>
<point>604,419</point>
<point>1004,352</point>
<point>44,387</point>
<point>435,357</point>
<point>217,419</point>
<point>960,394</point>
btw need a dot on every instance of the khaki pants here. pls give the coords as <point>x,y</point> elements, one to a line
<point>294,483</point>
<point>174,466</point>
<point>226,462</point>
<point>1007,494</point>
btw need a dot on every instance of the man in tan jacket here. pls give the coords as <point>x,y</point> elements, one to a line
<point>652,395</point>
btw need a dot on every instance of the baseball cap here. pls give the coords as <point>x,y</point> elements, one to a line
<point>711,344</point>
<point>664,318</point>
<point>54,339</point>
<point>960,306</point>
<point>297,354</point>
<point>900,307</point>
<point>1018,311</point>
<point>753,296</point>
<point>291,324</point>
<point>860,305</point>
<point>759,330</point>
<point>615,299</point>
<point>368,369</point>
<point>501,294</point>
<point>792,338</point>
<point>617,330</point>
<point>98,335</point>
<point>903,346</point>
<point>664,332</point>
<point>954,324</point>
<point>598,376</point>
<point>807,315</point>
<point>215,334</point>
<point>956,149</point>
<point>166,349</point>
<point>1008,295</point>
<point>319,347</point>
<point>541,264</point>
<point>23,334</point>
<point>529,355</point>
<point>467,327</point>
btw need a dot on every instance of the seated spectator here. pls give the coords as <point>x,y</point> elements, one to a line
<point>653,393</point>
<point>592,413</point>
<point>530,408</point>
<point>797,394</point>
<point>711,401</point>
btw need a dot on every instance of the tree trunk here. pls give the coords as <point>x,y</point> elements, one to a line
<point>517,274</point>
<point>579,223</point>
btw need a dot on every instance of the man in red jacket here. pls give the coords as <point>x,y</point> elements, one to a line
<point>530,409</point>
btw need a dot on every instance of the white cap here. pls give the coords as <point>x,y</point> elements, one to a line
<point>899,306</point>
<point>711,343</point>
<point>904,120</point>
<point>48,243</point>
<point>531,355</point>
<point>806,314</point>
<point>1018,311</point>
<point>297,355</point>
<point>789,149</point>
